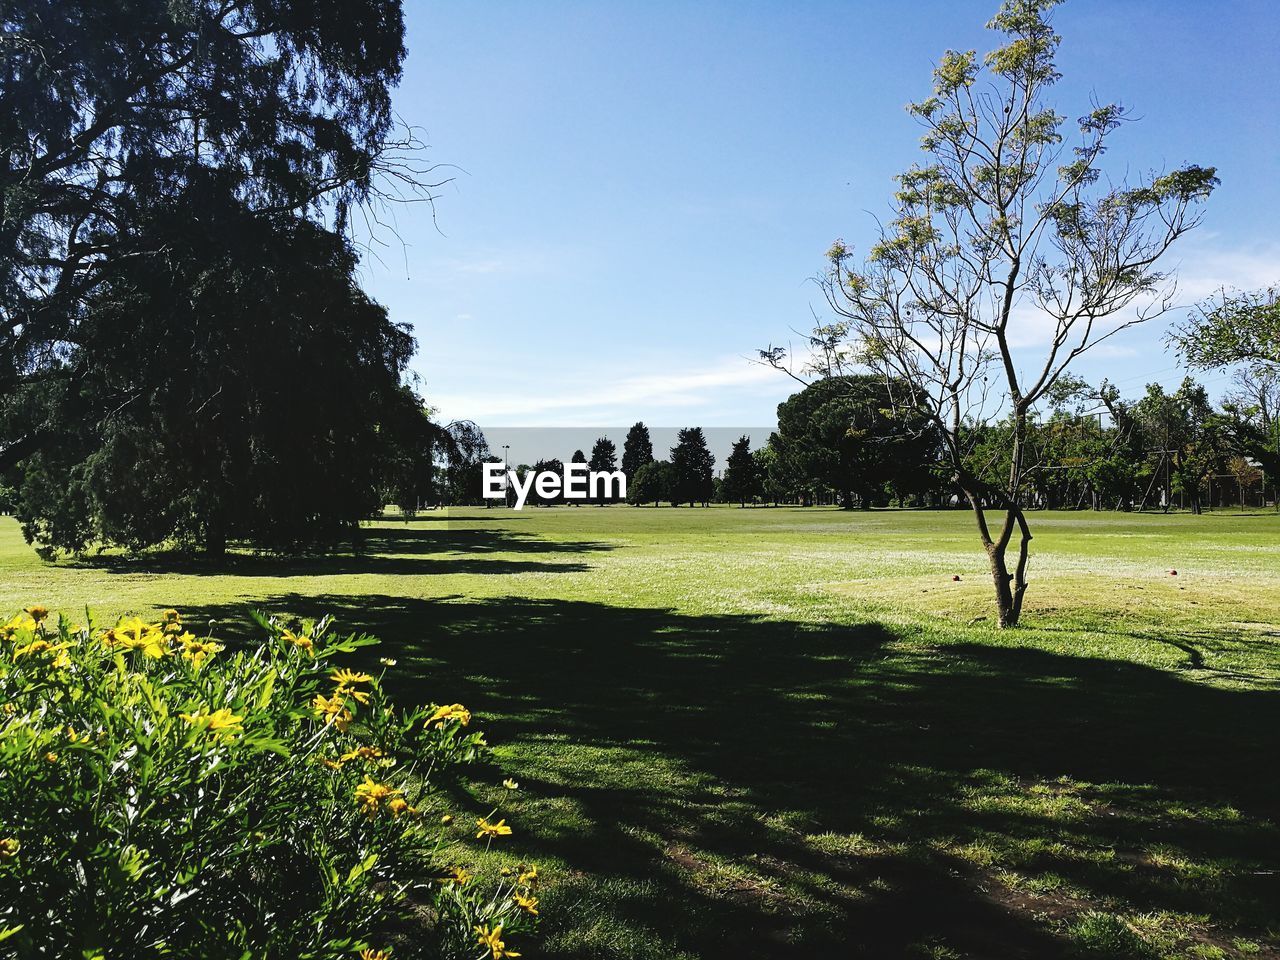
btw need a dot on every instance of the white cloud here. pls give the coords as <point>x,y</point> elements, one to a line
<point>594,398</point>
<point>1206,270</point>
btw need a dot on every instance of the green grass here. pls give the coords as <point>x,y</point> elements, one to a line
<point>790,733</point>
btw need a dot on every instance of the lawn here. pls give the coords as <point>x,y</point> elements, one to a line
<point>790,733</point>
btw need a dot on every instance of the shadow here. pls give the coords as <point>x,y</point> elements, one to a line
<point>1203,648</point>
<point>734,786</point>
<point>406,550</point>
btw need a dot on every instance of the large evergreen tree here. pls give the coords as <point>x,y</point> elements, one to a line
<point>110,108</point>
<point>741,474</point>
<point>238,385</point>
<point>578,457</point>
<point>691,467</point>
<point>604,457</point>
<point>637,450</point>
<point>175,287</point>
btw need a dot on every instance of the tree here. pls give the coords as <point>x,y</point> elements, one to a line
<point>409,464</point>
<point>108,108</point>
<point>1247,474</point>
<point>1241,328</point>
<point>1251,419</point>
<point>604,458</point>
<point>1005,223</point>
<point>553,466</point>
<point>466,450</point>
<point>1232,328</point>
<point>652,482</point>
<point>250,389</point>
<point>741,478</point>
<point>578,457</point>
<point>691,468</point>
<point>637,450</point>
<point>1182,436</point>
<point>846,433</point>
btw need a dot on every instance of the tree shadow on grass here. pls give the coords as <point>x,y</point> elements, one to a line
<point>733,786</point>
<point>391,551</point>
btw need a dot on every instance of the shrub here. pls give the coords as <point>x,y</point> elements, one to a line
<point>161,796</point>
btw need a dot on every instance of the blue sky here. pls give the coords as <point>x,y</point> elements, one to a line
<point>645,190</point>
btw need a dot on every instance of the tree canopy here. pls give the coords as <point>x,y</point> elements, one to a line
<point>107,107</point>
<point>852,434</point>
<point>238,384</point>
<point>1232,328</point>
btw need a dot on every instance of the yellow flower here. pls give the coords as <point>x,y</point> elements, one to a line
<point>387,661</point>
<point>458,876</point>
<point>454,711</point>
<point>222,723</point>
<point>344,677</point>
<point>447,819</point>
<point>76,737</point>
<point>399,805</point>
<point>487,829</point>
<point>51,757</point>
<point>361,753</point>
<point>197,651</point>
<point>21,622</point>
<point>374,955</point>
<point>331,764</point>
<point>44,646</point>
<point>35,646</point>
<point>223,719</point>
<point>9,848</point>
<point>133,634</point>
<point>491,940</point>
<point>528,904</point>
<point>510,784</point>
<point>528,876</point>
<point>332,709</point>
<point>37,612</point>
<point>371,795</point>
<point>346,680</point>
<point>302,641</point>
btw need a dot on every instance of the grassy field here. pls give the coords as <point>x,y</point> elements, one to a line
<point>790,733</point>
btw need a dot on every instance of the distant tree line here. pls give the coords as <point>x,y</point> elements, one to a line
<point>846,441</point>
<point>1087,449</point>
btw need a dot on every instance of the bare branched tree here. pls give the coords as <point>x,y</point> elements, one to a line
<point>1007,234</point>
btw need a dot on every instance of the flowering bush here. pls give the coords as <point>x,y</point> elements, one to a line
<point>161,796</point>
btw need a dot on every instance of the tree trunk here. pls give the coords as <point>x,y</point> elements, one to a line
<point>1010,587</point>
<point>215,540</point>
